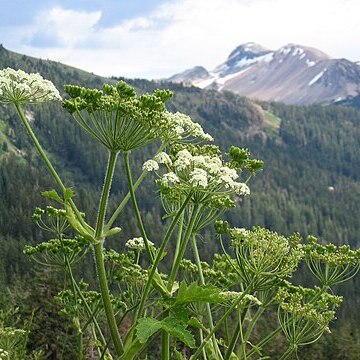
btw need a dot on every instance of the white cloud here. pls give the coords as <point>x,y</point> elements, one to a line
<point>68,28</point>
<point>184,33</point>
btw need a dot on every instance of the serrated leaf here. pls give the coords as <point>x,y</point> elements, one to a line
<point>181,313</point>
<point>147,327</point>
<point>196,323</point>
<point>53,195</point>
<point>178,329</point>
<point>198,293</point>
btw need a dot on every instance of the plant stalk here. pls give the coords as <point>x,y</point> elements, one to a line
<point>99,256</point>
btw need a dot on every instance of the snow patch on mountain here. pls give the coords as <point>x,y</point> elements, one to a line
<point>317,77</point>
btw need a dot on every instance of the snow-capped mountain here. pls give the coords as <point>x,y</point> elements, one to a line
<point>293,74</point>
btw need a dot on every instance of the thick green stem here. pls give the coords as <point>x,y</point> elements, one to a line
<point>202,282</point>
<point>105,195</point>
<point>183,246</point>
<point>159,256</point>
<point>127,197</point>
<point>99,256</point>
<point>136,207</point>
<point>165,345</point>
<point>47,161</point>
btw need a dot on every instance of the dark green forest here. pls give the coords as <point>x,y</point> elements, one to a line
<point>310,184</point>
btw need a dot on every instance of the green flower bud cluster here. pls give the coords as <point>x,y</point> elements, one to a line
<point>64,246</point>
<point>77,305</point>
<point>51,220</point>
<point>304,314</point>
<point>221,227</point>
<point>17,87</point>
<point>231,296</point>
<point>240,158</point>
<point>219,273</point>
<point>58,252</point>
<point>331,264</point>
<point>116,117</point>
<point>263,257</point>
<point>123,267</point>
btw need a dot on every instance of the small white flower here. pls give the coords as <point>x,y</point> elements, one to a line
<point>240,188</point>
<point>150,165</point>
<point>200,160</point>
<point>16,86</point>
<point>137,243</point>
<point>183,160</point>
<point>180,126</point>
<point>163,158</point>
<point>198,177</point>
<point>169,179</point>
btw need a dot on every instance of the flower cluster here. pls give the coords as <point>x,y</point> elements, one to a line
<point>16,86</point>
<point>197,169</point>
<point>182,129</point>
<point>10,339</point>
<point>331,264</point>
<point>137,243</point>
<point>57,252</point>
<point>4,354</point>
<point>263,257</point>
<point>51,220</point>
<point>231,296</point>
<point>304,314</point>
<point>116,117</point>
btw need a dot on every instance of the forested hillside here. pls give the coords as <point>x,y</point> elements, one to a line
<point>310,182</point>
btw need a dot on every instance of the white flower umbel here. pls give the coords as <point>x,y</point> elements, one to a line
<point>163,158</point>
<point>203,173</point>
<point>182,128</point>
<point>169,180</point>
<point>183,160</point>
<point>150,165</point>
<point>137,243</point>
<point>16,86</point>
<point>198,177</point>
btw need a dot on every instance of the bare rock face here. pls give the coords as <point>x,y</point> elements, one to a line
<point>293,74</point>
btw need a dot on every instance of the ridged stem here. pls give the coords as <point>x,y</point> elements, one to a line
<point>99,255</point>
<point>47,161</point>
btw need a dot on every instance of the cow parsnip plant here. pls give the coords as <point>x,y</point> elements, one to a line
<point>196,310</point>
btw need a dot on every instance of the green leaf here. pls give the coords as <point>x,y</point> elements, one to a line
<point>68,194</point>
<point>112,232</point>
<point>87,232</point>
<point>181,313</point>
<point>196,323</point>
<point>178,329</point>
<point>53,195</point>
<point>159,284</point>
<point>198,293</point>
<point>175,327</point>
<point>147,327</point>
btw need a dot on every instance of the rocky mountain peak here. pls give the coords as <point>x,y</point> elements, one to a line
<point>294,74</point>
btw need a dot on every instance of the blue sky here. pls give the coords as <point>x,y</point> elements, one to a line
<point>157,38</point>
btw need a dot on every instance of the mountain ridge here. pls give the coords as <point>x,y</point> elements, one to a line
<point>293,74</point>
